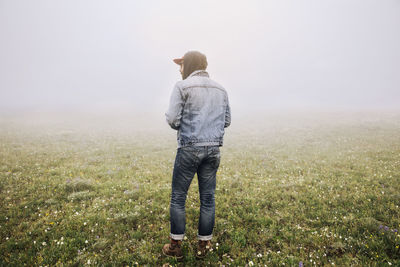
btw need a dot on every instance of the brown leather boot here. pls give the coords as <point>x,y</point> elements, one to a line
<point>173,249</point>
<point>202,248</point>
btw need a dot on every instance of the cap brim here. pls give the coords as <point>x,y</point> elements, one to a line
<point>178,61</point>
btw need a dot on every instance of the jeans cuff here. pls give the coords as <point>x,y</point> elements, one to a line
<point>176,237</point>
<point>204,237</point>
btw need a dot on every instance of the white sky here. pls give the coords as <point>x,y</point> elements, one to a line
<point>267,54</point>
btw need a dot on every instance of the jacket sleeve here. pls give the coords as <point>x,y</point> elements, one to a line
<point>227,114</point>
<point>174,113</point>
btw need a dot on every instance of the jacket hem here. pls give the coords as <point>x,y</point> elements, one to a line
<point>208,143</point>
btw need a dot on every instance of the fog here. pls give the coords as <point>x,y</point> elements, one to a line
<point>110,56</point>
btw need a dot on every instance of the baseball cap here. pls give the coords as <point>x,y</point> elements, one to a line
<point>178,61</point>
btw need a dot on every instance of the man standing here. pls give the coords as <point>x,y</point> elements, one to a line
<point>199,110</point>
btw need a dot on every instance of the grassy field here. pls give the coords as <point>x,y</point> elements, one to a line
<point>293,189</point>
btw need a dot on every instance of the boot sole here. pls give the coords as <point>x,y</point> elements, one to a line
<point>172,256</point>
<point>201,256</point>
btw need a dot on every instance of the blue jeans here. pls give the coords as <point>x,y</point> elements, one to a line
<point>205,161</point>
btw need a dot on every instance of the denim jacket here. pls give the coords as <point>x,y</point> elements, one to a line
<point>199,110</point>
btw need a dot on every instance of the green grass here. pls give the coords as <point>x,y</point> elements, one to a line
<point>320,190</point>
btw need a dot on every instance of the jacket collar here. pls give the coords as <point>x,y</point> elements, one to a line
<point>199,73</point>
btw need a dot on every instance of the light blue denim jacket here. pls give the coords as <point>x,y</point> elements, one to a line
<point>199,110</point>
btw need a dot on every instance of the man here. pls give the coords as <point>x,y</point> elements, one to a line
<point>199,110</point>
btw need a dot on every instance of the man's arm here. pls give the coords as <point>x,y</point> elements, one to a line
<point>174,113</point>
<point>227,114</point>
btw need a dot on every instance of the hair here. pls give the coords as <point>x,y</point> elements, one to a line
<point>192,61</point>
